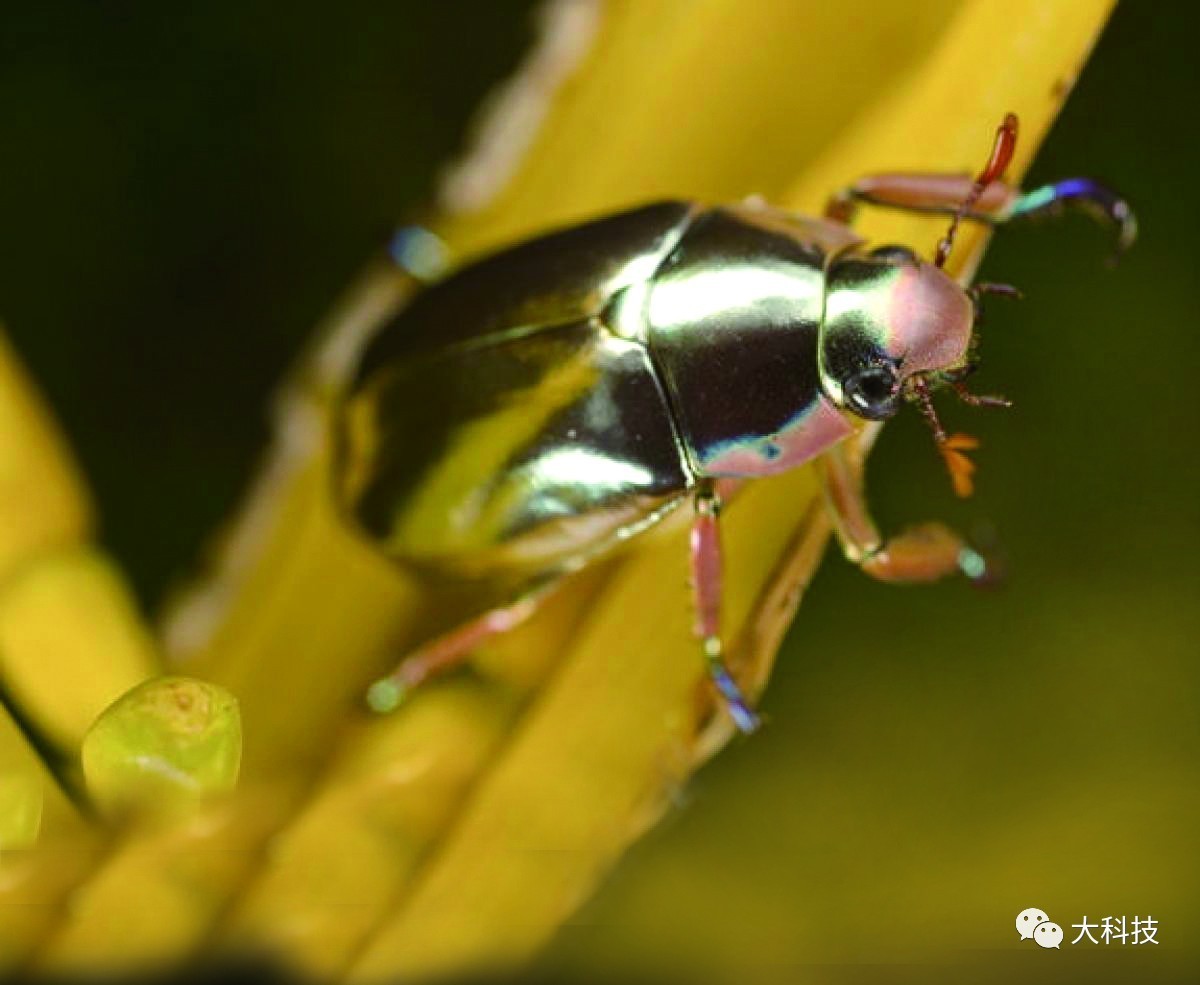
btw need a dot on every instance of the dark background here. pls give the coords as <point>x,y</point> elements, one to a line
<point>184,190</point>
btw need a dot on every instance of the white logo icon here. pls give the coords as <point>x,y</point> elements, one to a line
<point>1028,920</point>
<point>1033,924</point>
<point>1048,935</point>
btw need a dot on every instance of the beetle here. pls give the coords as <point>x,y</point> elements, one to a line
<point>532,411</point>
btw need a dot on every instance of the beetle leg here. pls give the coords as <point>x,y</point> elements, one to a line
<point>447,651</point>
<point>942,194</point>
<point>706,590</point>
<point>927,194</point>
<point>922,553</point>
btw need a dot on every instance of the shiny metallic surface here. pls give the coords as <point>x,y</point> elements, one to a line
<point>734,320</point>
<point>506,461</point>
<point>499,431</point>
<point>554,279</point>
<point>887,310</point>
<point>539,406</point>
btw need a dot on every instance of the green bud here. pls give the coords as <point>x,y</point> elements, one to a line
<point>166,743</point>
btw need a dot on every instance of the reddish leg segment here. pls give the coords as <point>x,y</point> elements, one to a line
<point>450,649</point>
<point>999,203</point>
<point>920,554</point>
<point>928,194</point>
<point>706,593</point>
<point>985,198</point>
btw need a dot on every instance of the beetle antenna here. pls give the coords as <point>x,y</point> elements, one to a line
<point>1002,152</point>
<point>953,447</point>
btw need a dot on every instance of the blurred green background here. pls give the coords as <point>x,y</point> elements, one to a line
<point>186,188</point>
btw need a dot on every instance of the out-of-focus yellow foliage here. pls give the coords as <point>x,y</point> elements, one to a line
<point>42,503</point>
<point>45,844</point>
<point>463,831</point>
<point>71,642</point>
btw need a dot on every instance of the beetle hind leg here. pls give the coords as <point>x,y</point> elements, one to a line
<point>706,588</point>
<point>923,553</point>
<point>445,652</point>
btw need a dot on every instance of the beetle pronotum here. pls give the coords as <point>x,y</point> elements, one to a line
<point>532,411</point>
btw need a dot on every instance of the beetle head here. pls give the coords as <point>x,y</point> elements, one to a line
<point>891,321</point>
<point>895,326</point>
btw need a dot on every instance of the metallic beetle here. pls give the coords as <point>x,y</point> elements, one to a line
<point>530,412</point>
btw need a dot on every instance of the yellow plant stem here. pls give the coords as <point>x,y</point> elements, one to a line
<point>161,881</point>
<point>341,860</point>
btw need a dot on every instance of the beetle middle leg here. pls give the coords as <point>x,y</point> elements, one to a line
<point>706,588</point>
<point>922,553</point>
<point>445,652</point>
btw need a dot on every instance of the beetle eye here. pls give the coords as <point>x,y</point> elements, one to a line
<point>872,393</point>
<point>900,254</point>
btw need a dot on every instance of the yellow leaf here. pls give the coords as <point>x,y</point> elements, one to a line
<point>45,845</point>
<point>71,642</point>
<point>42,502</point>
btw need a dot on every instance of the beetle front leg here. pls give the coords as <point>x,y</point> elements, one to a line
<point>922,553</point>
<point>942,194</point>
<point>706,588</point>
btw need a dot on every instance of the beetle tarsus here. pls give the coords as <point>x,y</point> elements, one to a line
<point>386,695</point>
<point>980,570</point>
<point>1086,195</point>
<point>744,717</point>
